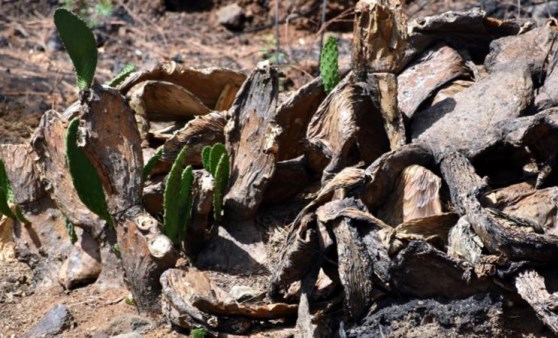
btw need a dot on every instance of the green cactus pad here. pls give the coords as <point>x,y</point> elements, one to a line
<point>5,183</point>
<point>222,172</point>
<point>124,73</point>
<point>205,158</point>
<point>80,44</point>
<point>84,175</point>
<point>185,201</point>
<point>329,69</point>
<point>71,231</point>
<point>221,178</point>
<point>4,207</point>
<point>19,215</point>
<point>217,151</point>
<point>171,198</point>
<point>148,168</point>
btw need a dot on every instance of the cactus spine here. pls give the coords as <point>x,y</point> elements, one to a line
<point>329,68</point>
<point>178,199</point>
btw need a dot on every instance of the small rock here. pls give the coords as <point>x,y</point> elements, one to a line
<point>128,324</point>
<point>178,58</point>
<point>53,323</point>
<point>54,43</point>
<point>242,293</point>
<point>83,265</point>
<point>129,335</point>
<point>231,17</point>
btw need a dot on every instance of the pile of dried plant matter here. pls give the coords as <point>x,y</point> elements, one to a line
<point>420,191</point>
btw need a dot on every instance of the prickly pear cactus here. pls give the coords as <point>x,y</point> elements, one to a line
<point>171,198</point>
<point>205,158</point>
<point>6,194</point>
<point>216,161</point>
<point>151,164</point>
<point>4,207</point>
<point>185,201</point>
<point>80,44</point>
<point>124,73</point>
<point>217,150</point>
<point>84,175</point>
<point>329,68</point>
<point>221,177</point>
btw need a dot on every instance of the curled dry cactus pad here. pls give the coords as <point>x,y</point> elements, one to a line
<point>216,162</point>
<point>80,44</point>
<point>84,175</point>
<point>329,68</point>
<point>178,199</point>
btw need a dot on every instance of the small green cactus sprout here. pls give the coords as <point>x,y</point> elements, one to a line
<point>84,175</point>
<point>71,231</point>
<point>7,197</point>
<point>329,68</point>
<point>178,199</point>
<point>198,333</point>
<point>6,194</point>
<point>216,161</point>
<point>148,168</point>
<point>185,201</point>
<point>80,44</point>
<point>205,157</point>
<point>124,73</point>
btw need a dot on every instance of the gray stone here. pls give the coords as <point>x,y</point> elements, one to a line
<point>53,323</point>
<point>231,17</point>
<point>128,324</point>
<point>129,335</point>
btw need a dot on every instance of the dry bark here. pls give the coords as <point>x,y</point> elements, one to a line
<point>111,140</point>
<point>466,188</point>
<point>50,143</point>
<point>294,114</point>
<point>347,128</point>
<point>252,137</point>
<point>208,84</point>
<point>23,174</point>
<point>433,69</point>
<point>196,134</point>
<point>530,285</point>
<point>191,298</point>
<point>416,195</point>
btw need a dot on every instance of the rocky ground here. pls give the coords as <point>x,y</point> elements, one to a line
<point>37,76</point>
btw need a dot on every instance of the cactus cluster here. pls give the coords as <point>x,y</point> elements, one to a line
<point>329,69</point>
<point>216,161</point>
<point>80,44</point>
<point>84,175</point>
<point>178,199</point>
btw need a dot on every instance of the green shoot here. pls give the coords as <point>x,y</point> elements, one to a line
<point>86,180</point>
<point>80,44</point>
<point>329,68</point>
